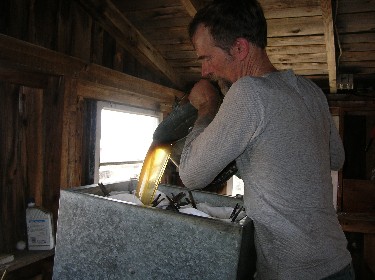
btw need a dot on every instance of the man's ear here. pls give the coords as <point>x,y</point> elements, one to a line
<point>240,48</point>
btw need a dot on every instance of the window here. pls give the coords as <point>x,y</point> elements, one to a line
<point>235,186</point>
<point>124,135</point>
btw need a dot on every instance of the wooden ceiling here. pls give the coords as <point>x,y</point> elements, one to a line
<point>321,39</point>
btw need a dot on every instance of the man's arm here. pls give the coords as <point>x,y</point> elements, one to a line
<point>336,148</point>
<point>211,146</point>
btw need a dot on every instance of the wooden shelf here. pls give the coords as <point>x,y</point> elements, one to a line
<point>357,222</point>
<point>25,258</point>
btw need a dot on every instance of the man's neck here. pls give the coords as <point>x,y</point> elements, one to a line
<point>257,63</point>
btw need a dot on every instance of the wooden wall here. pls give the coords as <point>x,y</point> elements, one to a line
<point>53,59</point>
<point>63,26</point>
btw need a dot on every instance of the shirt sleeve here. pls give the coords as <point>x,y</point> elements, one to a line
<point>337,151</point>
<point>209,149</point>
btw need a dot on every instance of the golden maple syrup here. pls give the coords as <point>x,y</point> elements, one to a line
<point>152,171</point>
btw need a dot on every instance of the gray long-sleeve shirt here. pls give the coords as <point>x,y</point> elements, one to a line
<point>279,130</point>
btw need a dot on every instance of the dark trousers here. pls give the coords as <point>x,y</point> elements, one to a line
<point>347,273</point>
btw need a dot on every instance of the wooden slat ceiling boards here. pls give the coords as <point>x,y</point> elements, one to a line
<point>319,39</point>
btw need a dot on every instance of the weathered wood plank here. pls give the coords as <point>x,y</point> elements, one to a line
<point>12,75</point>
<point>106,77</point>
<point>304,66</point>
<point>130,38</point>
<point>349,23</point>
<point>76,128</point>
<point>12,179</point>
<point>118,59</point>
<point>97,44</point>
<point>94,91</point>
<point>25,258</point>
<point>42,23</point>
<point>358,56</point>
<point>357,66</point>
<point>277,4</point>
<point>296,40</point>
<point>369,250</point>
<point>18,14</point>
<point>74,36</point>
<point>190,7</point>
<point>357,38</point>
<point>168,16</point>
<point>358,196</point>
<point>329,36</point>
<point>295,26</point>
<point>26,55</point>
<point>147,25</point>
<point>69,93</point>
<point>284,9</point>
<point>185,64</point>
<point>358,47</point>
<point>291,12</point>
<point>358,6</point>
<point>53,108</point>
<point>171,41</point>
<point>64,33</point>
<point>357,222</point>
<point>72,136</point>
<point>181,55</point>
<point>142,4</point>
<point>296,49</point>
<point>32,115</point>
<point>89,152</point>
<point>168,33</point>
<point>295,58</point>
<point>164,48</point>
<point>80,41</point>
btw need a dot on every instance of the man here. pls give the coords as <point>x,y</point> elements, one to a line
<point>278,128</point>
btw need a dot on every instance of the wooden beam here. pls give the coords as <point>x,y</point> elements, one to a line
<point>357,222</point>
<point>94,91</point>
<point>144,89</point>
<point>28,57</point>
<point>190,7</point>
<point>116,24</point>
<point>329,36</point>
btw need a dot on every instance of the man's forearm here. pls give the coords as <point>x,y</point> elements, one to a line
<point>206,115</point>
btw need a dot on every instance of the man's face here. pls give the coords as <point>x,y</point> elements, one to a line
<point>216,63</point>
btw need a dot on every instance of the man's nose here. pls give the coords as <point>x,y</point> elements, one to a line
<point>206,70</point>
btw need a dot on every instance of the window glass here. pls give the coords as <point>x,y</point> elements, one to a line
<point>125,136</point>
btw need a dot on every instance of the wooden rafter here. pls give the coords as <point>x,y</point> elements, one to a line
<point>116,24</point>
<point>189,6</point>
<point>329,36</point>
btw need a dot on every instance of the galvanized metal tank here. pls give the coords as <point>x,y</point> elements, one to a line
<point>102,238</point>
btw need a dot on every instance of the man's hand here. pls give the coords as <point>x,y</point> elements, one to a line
<point>206,99</point>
